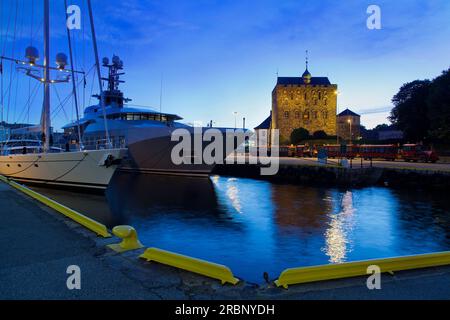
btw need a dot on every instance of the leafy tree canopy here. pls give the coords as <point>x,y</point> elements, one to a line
<point>298,135</point>
<point>320,134</point>
<point>422,109</point>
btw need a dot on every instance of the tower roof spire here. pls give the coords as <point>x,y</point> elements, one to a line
<point>306,75</point>
<point>306,59</point>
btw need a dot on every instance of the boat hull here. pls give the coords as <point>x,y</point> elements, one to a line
<point>82,169</point>
<point>153,154</point>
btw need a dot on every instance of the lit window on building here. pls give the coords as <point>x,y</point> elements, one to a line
<point>306,115</point>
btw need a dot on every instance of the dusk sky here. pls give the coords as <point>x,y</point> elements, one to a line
<point>217,57</point>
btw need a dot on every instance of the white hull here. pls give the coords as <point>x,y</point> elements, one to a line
<point>84,169</point>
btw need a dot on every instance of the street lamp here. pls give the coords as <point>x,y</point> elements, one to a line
<point>235,119</point>
<point>337,93</point>
<point>350,128</point>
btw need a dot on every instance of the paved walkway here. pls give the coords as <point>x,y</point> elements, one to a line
<point>37,245</point>
<point>398,164</point>
<point>36,249</point>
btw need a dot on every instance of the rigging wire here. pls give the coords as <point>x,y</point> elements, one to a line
<point>74,82</point>
<point>2,38</point>
<point>17,82</point>
<point>59,99</point>
<point>31,44</point>
<point>11,63</point>
<point>66,99</point>
<point>92,85</point>
<point>5,37</point>
<point>83,47</point>
<point>25,112</point>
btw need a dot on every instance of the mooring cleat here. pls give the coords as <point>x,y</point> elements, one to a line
<point>129,238</point>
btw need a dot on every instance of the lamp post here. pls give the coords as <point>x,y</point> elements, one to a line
<point>336,92</point>
<point>235,119</point>
<point>350,128</point>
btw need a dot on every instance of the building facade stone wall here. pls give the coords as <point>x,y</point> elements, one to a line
<point>307,105</point>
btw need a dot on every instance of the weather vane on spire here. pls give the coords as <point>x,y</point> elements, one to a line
<point>306,59</point>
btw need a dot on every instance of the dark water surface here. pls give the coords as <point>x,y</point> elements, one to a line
<point>256,226</point>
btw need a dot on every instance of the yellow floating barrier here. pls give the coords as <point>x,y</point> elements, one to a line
<point>87,222</point>
<point>129,238</point>
<point>209,269</point>
<point>359,268</point>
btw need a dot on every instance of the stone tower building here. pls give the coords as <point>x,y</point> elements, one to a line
<point>349,125</point>
<point>304,102</point>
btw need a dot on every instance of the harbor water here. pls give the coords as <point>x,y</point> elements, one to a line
<point>257,226</point>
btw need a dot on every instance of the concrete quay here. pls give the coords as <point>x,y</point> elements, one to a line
<point>38,244</point>
<point>357,173</point>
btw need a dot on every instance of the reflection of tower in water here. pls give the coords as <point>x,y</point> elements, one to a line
<point>337,241</point>
<point>301,207</point>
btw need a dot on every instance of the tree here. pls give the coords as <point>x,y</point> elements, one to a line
<point>298,135</point>
<point>438,103</point>
<point>410,112</point>
<point>320,134</point>
<point>382,127</point>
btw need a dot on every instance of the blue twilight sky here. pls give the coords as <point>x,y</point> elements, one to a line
<point>221,56</point>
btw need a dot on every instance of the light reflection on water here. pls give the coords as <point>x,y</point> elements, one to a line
<point>338,242</point>
<point>256,226</point>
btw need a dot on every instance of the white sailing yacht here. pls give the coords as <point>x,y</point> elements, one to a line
<point>42,163</point>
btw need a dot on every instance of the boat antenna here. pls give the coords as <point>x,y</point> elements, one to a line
<point>99,76</point>
<point>74,86</point>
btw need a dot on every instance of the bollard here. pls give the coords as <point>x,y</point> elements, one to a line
<point>129,238</point>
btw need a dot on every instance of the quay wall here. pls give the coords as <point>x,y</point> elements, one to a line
<point>331,176</point>
<point>418,179</point>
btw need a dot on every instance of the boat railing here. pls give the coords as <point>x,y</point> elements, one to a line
<point>102,144</point>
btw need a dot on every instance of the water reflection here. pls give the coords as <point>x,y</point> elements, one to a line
<point>257,226</point>
<point>338,236</point>
<point>134,194</point>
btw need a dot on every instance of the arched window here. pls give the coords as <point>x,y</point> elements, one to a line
<point>320,95</point>
<point>286,114</point>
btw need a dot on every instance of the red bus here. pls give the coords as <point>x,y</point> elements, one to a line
<point>416,152</point>
<point>341,151</point>
<point>386,151</point>
<point>305,151</point>
<point>287,151</point>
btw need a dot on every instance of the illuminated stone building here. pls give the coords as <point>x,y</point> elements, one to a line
<point>304,102</point>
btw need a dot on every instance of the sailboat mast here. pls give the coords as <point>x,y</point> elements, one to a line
<point>74,86</point>
<point>97,64</point>
<point>46,80</point>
